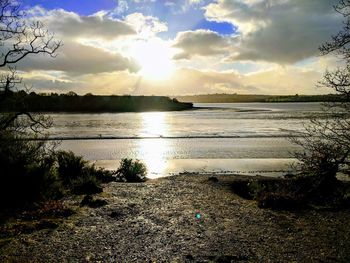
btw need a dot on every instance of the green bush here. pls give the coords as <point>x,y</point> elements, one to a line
<point>132,171</point>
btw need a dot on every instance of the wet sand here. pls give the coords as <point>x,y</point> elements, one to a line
<point>157,221</point>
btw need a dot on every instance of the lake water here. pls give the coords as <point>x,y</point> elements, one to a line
<point>245,138</point>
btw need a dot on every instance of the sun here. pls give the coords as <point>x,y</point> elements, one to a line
<point>154,57</point>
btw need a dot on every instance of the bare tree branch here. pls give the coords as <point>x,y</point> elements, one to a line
<point>19,39</point>
<point>326,141</point>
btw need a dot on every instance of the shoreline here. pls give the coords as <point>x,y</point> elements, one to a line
<point>72,138</point>
<point>271,167</point>
<point>157,221</point>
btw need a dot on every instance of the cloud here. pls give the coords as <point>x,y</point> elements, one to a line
<point>104,83</point>
<point>75,58</point>
<point>194,2</point>
<point>72,25</point>
<point>278,81</point>
<point>145,26</point>
<point>201,43</point>
<point>282,31</point>
<point>178,7</point>
<point>285,81</point>
<point>122,7</point>
<point>97,55</point>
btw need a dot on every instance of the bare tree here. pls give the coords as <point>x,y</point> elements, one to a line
<point>19,39</point>
<point>326,141</point>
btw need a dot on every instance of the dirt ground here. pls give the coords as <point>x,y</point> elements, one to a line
<point>156,221</point>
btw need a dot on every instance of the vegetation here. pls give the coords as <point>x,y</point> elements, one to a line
<point>291,193</point>
<point>78,176</point>
<point>231,98</point>
<point>32,171</point>
<point>71,102</point>
<point>132,171</point>
<point>27,173</point>
<point>326,142</point>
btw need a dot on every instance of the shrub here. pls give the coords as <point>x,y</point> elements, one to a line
<point>102,175</point>
<point>86,185</point>
<point>70,166</point>
<point>78,175</point>
<point>89,201</point>
<point>325,141</point>
<point>255,188</point>
<point>275,193</point>
<point>28,171</point>
<point>278,200</point>
<point>32,172</point>
<point>132,171</point>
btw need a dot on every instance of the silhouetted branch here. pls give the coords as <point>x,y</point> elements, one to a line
<point>18,39</point>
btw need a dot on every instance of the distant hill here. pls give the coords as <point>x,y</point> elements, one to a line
<point>230,98</point>
<point>71,102</point>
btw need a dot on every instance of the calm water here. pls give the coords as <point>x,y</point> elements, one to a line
<point>235,137</point>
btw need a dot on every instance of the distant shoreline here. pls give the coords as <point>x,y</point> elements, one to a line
<point>73,103</point>
<point>243,98</point>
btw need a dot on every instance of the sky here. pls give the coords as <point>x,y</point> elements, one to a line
<point>183,47</point>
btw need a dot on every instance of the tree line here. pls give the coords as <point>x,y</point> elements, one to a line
<point>71,102</point>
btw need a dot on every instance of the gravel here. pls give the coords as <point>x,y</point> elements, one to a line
<point>158,221</point>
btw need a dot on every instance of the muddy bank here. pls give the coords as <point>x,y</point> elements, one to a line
<point>157,221</point>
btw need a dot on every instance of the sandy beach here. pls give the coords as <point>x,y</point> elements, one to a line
<point>156,221</point>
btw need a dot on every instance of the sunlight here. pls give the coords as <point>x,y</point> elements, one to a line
<point>153,151</point>
<point>154,57</point>
<point>154,124</point>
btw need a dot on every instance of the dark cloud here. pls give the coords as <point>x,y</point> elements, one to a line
<point>75,58</point>
<point>282,31</point>
<point>72,25</point>
<point>200,42</point>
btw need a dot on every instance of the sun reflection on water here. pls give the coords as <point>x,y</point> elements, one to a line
<point>153,150</point>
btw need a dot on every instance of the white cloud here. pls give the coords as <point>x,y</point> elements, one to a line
<point>145,26</point>
<point>122,7</point>
<point>194,2</point>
